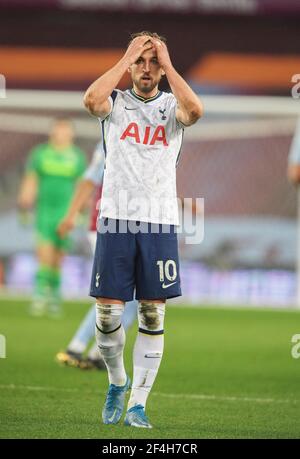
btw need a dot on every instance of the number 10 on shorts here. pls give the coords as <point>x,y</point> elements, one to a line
<point>167,270</point>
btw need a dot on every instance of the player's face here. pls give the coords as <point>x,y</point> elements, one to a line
<point>146,72</point>
<point>62,134</point>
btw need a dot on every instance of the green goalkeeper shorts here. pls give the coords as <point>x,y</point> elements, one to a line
<point>47,233</point>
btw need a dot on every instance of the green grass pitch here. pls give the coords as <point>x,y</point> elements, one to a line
<point>225,374</point>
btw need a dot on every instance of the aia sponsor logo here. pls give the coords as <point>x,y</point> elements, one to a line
<point>149,136</point>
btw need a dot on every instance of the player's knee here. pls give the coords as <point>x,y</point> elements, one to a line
<point>151,316</point>
<point>108,317</point>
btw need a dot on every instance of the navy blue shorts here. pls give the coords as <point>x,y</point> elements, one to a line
<point>146,262</point>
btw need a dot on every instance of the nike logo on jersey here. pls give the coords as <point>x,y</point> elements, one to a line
<point>129,108</point>
<point>169,285</point>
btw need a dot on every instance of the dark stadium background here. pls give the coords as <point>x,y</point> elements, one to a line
<point>191,36</point>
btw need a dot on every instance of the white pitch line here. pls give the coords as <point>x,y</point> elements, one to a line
<point>158,394</point>
<point>226,398</point>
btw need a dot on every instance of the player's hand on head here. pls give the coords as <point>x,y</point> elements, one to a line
<point>137,47</point>
<point>163,55</point>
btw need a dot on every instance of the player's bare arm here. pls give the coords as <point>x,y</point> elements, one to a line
<point>96,96</point>
<point>190,108</point>
<point>28,191</point>
<point>293,174</point>
<point>81,196</point>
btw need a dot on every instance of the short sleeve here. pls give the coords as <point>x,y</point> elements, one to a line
<point>173,108</point>
<point>111,100</point>
<point>33,161</point>
<point>81,163</point>
<point>94,172</point>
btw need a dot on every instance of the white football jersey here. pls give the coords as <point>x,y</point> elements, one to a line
<point>142,142</point>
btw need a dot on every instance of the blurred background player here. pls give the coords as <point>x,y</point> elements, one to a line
<point>73,356</point>
<point>52,171</point>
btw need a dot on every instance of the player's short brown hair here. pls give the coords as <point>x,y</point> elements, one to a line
<point>148,34</point>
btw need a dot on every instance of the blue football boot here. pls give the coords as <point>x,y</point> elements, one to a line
<point>114,403</point>
<point>136,417</point>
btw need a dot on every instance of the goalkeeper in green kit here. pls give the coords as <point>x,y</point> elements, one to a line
<point>52,171</point>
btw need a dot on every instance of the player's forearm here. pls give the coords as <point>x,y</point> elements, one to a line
<point>189,103</point>
<point>28,191</point>
<point>82,194</point>
<point>99,91</point>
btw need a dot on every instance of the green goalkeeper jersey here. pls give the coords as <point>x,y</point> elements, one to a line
<point>57,172</point>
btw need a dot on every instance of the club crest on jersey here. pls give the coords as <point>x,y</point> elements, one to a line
<point>147,136</point>
<point>162,112</point>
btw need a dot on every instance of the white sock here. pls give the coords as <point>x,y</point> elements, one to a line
<point>110,336</point>
<point>76,346</point>
<point>94,352</point>
<point>84,333</point>
<point>148,351</point>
